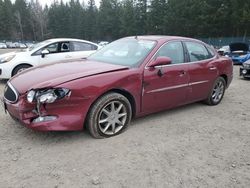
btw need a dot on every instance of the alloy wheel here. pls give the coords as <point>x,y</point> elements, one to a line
<point>112,118</point>
<point>218,91</point>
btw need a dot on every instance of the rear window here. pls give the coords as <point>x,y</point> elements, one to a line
<point>81,46</point>
<point>197,51</point>
<point>211,51</point>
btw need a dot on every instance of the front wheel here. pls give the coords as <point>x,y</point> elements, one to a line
<point>19,69</point>
<point>109,116</point>
<point>217,92</point>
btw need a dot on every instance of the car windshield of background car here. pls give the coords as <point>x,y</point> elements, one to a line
<point>38,45</point>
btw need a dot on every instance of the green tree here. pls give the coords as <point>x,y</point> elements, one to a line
<point>6,19</point>
<point>38,20</point>
<point>108,19</point>
<point>59,20</point>
<point>91,21</point>
<point>141,17</point>
<point>127,18</point>
<point>156,17</point>
<point>22,16</point>
<point>76,19</point>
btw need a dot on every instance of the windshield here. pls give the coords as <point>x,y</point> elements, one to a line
<point>127,52</point>
<point>38,45</point>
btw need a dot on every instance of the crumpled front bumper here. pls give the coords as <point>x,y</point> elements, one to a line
<point>66,113</point>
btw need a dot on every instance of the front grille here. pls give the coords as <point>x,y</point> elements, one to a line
<point>10,94</point>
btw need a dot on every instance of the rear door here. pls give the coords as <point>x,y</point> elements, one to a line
<point>166,86</point>
<point>202,70</point>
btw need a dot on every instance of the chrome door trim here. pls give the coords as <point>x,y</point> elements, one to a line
<point>167,88</point>
<point>200,82</point>
<point>177,86</point>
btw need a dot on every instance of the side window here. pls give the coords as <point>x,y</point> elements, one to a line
<point>211,51</point>
<point>81,46</point>
<point>173,50</point>
<point>197,51</point>
<point>53,48</point>
<point>64,47</point>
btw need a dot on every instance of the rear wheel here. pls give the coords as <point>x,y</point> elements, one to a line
<point>109,116</point>
<point>19,69</point>
<point>217,92</point>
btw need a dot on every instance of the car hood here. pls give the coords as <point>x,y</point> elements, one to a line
<point>7,54</point>
<point>58,73</point>
<point>239,47</point>
<point>12,53</point>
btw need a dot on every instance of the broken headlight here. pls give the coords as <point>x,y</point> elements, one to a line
<point>47,95</point>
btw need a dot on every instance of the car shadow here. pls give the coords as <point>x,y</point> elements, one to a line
<point>84,136</point>
<point>55,137</point>
<point>245,79</point>
<point>166,113</point>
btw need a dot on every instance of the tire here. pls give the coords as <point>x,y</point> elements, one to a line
<point>19,69</point>
<point>217,92</point>
<point>109,116</point>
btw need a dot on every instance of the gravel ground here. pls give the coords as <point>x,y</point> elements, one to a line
<point>191,146</point>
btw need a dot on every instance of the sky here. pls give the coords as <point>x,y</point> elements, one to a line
<point>48,2</point>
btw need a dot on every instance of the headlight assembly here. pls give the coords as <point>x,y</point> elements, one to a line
<point>7,58</point>
<point>47,95</point>
<point>31,96</point>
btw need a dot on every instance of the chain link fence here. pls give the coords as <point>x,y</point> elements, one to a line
<point>224,41</point>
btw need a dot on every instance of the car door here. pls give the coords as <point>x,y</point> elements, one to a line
<point>58,51</point>
<point>81,49</point>
<point>202,70</point>
<point>166,86</point>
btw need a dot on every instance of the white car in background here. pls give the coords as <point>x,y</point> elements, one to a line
<point>3,45</point>
<point>48,51</point>
<point>103,43</point>
<point>224,50</point>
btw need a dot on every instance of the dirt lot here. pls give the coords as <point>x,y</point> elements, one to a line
<point>191,146</point>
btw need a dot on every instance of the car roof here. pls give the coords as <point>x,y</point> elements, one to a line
<point>69,39</point>
<point>161,37</point>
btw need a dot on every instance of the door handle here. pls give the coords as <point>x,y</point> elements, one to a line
<point>68,56</point>
<point>183,73</point>
<point>212,68</point>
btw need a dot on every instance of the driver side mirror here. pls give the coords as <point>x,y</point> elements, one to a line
<point>159,61</point>
<point>44,52</point>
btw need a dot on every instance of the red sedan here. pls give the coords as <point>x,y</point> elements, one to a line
<point>128,78</point>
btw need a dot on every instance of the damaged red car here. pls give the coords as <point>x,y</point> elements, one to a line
<point>128,78</point>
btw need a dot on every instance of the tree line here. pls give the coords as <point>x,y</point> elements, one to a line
<point>23,20</point>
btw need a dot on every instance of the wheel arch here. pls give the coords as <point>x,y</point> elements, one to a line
<point>224,76</point>
<point>123,92</point>
<point>128,95</point>
<point>21,64</point>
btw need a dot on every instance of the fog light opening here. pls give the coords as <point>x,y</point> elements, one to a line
<point>44,119</point>
<point>244,71</point>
